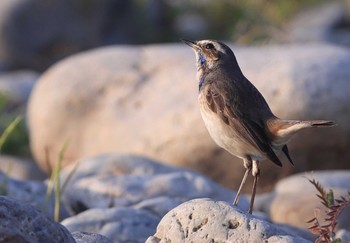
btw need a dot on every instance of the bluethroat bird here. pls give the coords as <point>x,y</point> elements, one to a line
<point>237,116</point>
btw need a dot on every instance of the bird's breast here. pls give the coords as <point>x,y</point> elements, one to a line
<point>224,135</point>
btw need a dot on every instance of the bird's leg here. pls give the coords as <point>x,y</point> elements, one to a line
<point>256,173</point>
<point>247,162</point>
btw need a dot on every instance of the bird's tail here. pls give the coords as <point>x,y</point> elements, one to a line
<point>318,123</point>
<point>284,129</point>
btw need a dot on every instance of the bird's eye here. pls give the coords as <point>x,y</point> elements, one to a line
<point>209,46</point>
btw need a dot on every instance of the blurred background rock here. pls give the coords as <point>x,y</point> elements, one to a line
<point>35,34</point>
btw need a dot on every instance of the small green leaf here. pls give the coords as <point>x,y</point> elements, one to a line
<point>330,198</point>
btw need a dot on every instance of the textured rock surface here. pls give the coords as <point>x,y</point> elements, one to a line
<point>126,180</point>
<point>142,100</point>
<point>158,206</point>
<point>126,197</point>
<point>83,237</point>
<point>118,224</point>
<point>284,204</point>
<point>21,222</point>
<point>203,220</point>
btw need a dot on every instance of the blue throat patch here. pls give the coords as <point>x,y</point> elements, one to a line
<point>201,59</point>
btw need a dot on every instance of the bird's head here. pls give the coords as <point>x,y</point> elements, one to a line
<point>210,53</point>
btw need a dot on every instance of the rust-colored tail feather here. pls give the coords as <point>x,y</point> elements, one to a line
<point>283,130</point>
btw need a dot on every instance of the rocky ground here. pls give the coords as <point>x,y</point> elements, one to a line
<point>139,164</point>
<point>134,199</point>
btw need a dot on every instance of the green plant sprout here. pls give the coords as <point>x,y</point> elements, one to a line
<point>3,138</point>
<point>3,185</point>
<point>9,129</point>
<point>55,183</point>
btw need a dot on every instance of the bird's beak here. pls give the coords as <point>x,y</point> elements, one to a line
<point>192,44</point>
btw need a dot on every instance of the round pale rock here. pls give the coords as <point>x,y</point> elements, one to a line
<point>204,220</point>
<point>20,222</point>
<point>143,100</point>
<point>294,199</point>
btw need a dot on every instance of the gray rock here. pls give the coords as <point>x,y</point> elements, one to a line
<point>158,206</point>
<point>20,169</point>
<point>16,86</point>
<point>126,180</point>
<point>84,237</point>
<point>203,220</point>
<point>296,230</point>
<point>118,224</point>
<point>191,24</point>
<point>262,202</point>
<point>343,235</point>
<point>143,100</point>
<point>68,27</point>
<point>20,222</point>
<point>324,23</point>
<point>330,179</point>
<point>32,192</point>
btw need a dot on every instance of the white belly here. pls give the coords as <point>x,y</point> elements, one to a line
<point>225,136</point>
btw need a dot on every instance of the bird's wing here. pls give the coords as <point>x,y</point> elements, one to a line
<point>249,126</point>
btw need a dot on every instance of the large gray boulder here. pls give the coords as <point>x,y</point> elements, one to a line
<point>204,220</point>
<point>20,222</point>
<point>143,100</point>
